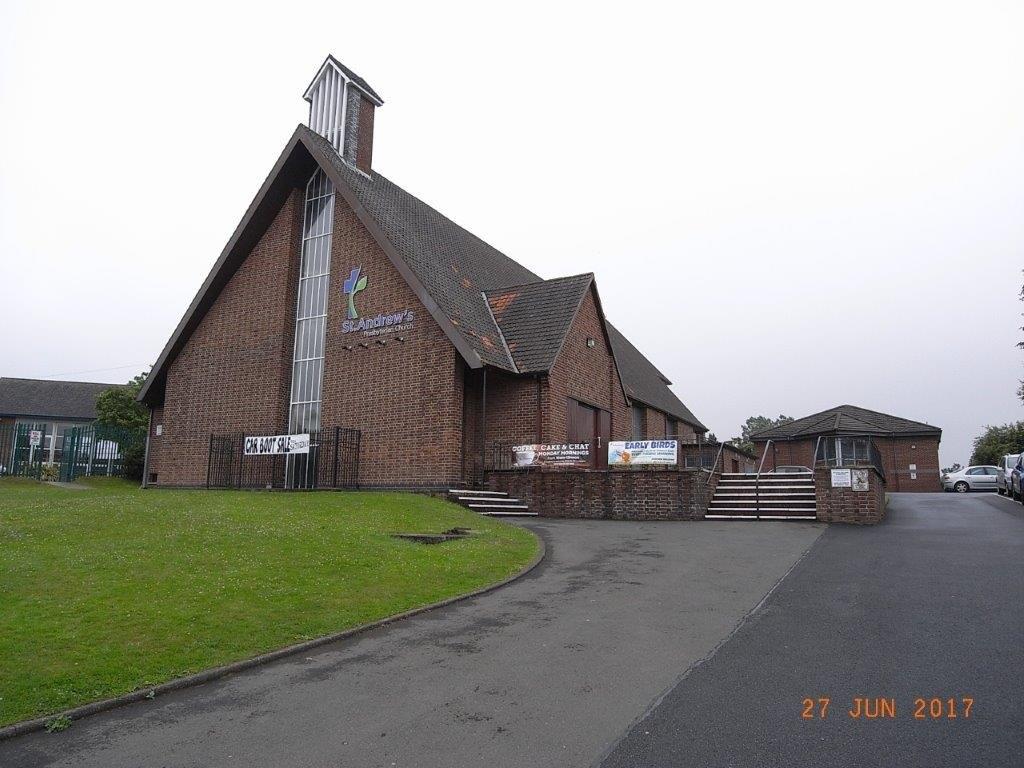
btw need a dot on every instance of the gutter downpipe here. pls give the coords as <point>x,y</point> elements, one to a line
<point>145,459</point>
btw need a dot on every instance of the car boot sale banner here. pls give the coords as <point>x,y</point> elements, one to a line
<point>642,452</point>
<point>552,455</point>
<point>273,445</point>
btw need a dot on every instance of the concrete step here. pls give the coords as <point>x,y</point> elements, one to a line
<point>754,502</point>
<point>767,474</point>
<point>710,516</point>
<point>766,493</point>
<point>751,508</point>
<point>490,503</point>
<point>508,514</point>
<point>771,485</point>
<point>488,499</point>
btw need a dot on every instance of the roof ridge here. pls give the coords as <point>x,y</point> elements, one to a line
<point>62,381</point>
<point>886,415</point>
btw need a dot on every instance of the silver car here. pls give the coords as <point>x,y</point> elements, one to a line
<point>1004,480</point>
<point>978,478</point>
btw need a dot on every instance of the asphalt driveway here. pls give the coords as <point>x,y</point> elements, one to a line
<point>548,671</point>
<point>929,605</point>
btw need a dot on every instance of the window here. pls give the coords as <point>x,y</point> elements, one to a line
<point>639,425</point>
<point>311,307</point>
<point>310,324</point>
<point>976,471</point>
<point>671,428</point>
<point>849,451</point>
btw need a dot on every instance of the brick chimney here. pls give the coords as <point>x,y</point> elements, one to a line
<point>341,107</point>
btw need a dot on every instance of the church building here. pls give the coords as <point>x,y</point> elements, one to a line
<point>411,352</point>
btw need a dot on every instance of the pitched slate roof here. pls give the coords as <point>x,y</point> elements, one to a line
<point>454,273</point>
<point>534,318</point>
<point>847,419</point>
<point>646,383</point>
<point>362,84</point>
<point>453,265</point>
<point>50,399</point>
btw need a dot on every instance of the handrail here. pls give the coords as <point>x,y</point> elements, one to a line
<point>763,457</point>
<point>814,459</point>
<point>757,481</point>
<point>714,467</point>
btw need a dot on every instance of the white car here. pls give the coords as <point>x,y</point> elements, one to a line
<point>1004,481</point>
<point>978,478</point>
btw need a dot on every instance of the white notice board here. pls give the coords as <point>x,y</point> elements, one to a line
<point>841,478</point>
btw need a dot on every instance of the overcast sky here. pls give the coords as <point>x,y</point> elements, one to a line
<point>788,205</point>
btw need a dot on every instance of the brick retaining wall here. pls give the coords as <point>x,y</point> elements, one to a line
<point>633,494</point>
<point>845,505</point>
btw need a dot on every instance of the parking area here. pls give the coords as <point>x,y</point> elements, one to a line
<point>928,606</point>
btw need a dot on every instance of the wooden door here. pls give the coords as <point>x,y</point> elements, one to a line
<point>590,425</point>
<point>582,422</point>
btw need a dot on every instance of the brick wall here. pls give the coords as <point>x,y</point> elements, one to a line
<point>586,374</point>
<point>635,494</point>
<point>155,443</point>
<point>406,397</point>
<point>736,461</point>
<point>233,374</point>
<point>845,505</point>
<point>898,454</point>
<point>364,150</point>
<point>513,414</point>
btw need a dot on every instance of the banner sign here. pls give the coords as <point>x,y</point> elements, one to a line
<point>273,445</point>
<point>35,438</point>
<point>623,453</point>
<point>552,455</point>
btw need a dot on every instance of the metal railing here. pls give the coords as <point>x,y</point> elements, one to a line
<point>848,451</point>
<point>332,462</point>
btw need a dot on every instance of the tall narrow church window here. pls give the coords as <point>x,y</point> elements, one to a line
<point>311,309</point>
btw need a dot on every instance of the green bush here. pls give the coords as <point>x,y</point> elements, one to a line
<point>134,461</point>
<point>49,473</point>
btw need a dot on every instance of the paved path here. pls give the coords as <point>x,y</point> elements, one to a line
<point>929,604</point>
<point>548,671</point>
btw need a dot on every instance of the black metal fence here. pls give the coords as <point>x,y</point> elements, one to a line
<point>500,456</point>
<point>332,462</point>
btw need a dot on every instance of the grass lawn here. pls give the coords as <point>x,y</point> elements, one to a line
<point>110,589</point>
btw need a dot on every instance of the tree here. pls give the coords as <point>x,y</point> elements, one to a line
<point>995,442</point>
<point>117,406</point>
<point>756,424</point>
